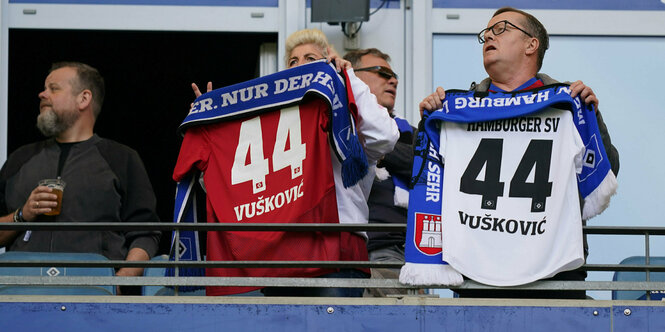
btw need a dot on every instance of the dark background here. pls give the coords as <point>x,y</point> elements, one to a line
<point>147,75</point>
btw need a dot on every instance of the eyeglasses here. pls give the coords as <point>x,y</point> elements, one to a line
<point>384,72</point>
<point>497,29</point>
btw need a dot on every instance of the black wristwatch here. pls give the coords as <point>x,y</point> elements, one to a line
<point>18,215</point>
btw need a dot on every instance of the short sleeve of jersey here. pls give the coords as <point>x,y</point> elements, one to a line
<point>194,153</point>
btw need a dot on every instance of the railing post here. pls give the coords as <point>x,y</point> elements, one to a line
<point>176,259</point>
<point>647,262</point>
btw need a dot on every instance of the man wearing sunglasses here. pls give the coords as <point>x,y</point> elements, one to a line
<point>389,196</point>
<point>513,46</point>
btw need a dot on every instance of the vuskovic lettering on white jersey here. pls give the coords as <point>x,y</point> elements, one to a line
<point>515,166</point>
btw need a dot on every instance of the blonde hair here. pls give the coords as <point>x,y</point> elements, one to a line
<point>306,36</point>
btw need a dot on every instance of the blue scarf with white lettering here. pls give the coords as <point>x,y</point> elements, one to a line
<point>272,92</point>
<point>424,263</point>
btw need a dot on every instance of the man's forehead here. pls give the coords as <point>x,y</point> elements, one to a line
<point>61,75</point>
<point>512,17</point>
<point>368,60</point>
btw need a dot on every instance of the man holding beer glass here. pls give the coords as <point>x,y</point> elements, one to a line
<point>75,175</point>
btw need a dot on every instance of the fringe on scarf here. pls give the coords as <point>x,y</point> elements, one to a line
<point>598,201</point>
<point>381,174</point>
<point>429,274</point>
<point>401,197</point>
<point>354,166</point>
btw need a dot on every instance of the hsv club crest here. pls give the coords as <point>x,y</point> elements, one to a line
<point>428,233</point>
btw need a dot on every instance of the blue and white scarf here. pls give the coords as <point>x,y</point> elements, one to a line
<point>425,266</point>
<point>283,89</point>
<point>276,91</point>
<point>187,245</point>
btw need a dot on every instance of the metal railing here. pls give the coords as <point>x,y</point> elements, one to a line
<point>646,285</point>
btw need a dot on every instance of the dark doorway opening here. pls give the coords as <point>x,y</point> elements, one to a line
<point>148,76</point>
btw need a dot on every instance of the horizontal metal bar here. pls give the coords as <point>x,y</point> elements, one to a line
<point>275,264</point>
<point>295,282</point>
<point>255,227</point>
<point>292,227</point>
<point>201,264</point>
<point>200,281</point>
<point>621,267</point>
<point>314,282</point>
<point>623,230</point>
<point>574,285</point>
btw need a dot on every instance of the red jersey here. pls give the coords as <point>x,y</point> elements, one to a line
<point>274,167</point>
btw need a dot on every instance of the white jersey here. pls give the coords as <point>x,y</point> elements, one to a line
<point>505,172</point>
<point>511,210</point>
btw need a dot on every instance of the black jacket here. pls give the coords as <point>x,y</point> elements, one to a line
<point>105,181</point>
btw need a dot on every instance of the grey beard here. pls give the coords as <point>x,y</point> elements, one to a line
<point>51,124</point>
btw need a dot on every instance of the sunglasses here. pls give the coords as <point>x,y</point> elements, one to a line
<point>384,72</point>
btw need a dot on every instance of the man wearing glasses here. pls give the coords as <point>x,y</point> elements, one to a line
<point>514,45</point>
<point>389,196</point>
